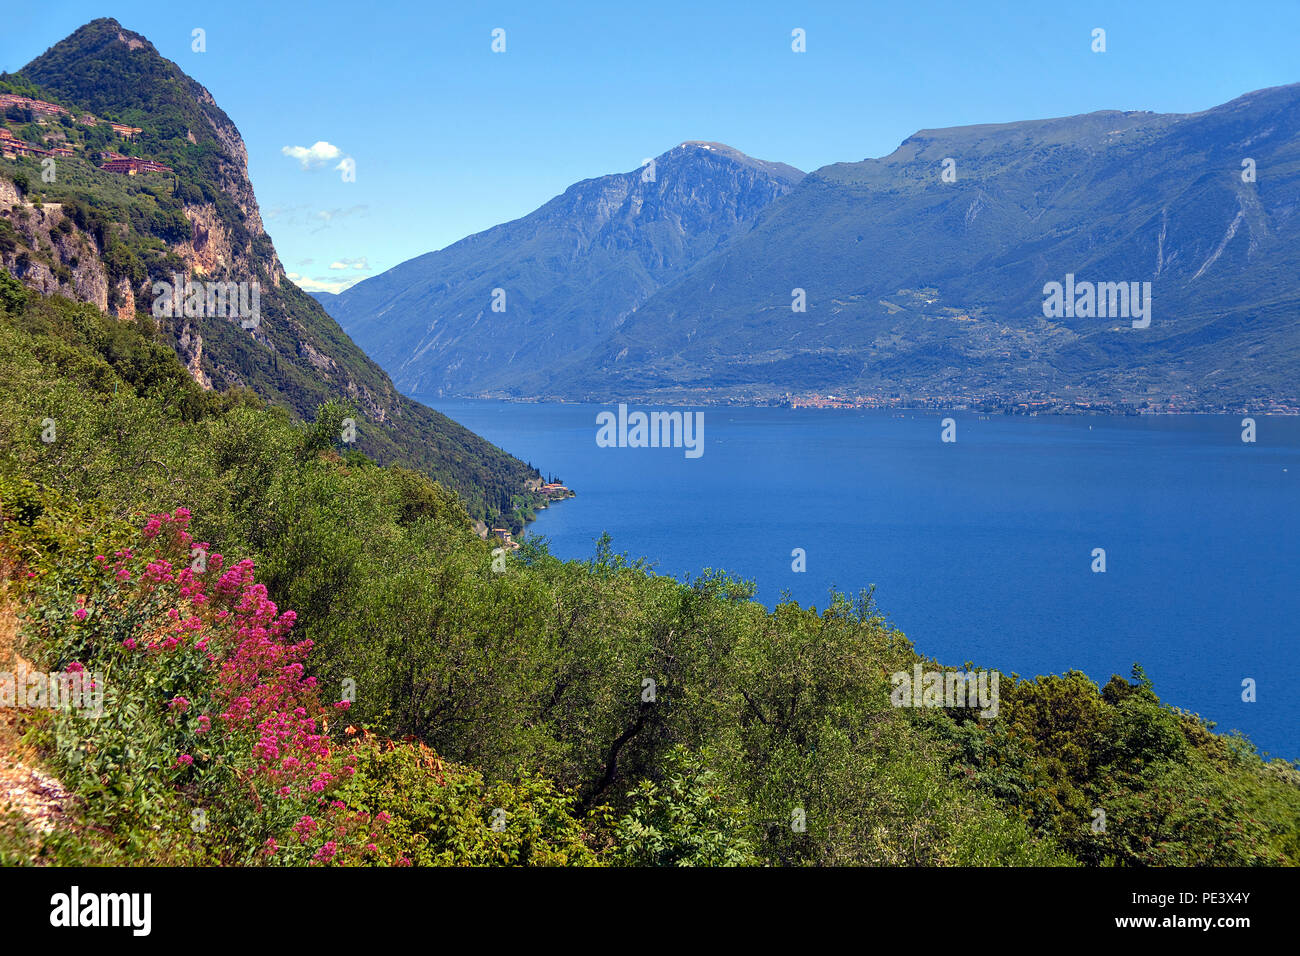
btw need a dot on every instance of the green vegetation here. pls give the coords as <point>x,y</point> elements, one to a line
<point>505,717</point>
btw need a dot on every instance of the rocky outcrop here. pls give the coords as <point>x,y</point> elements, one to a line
<point>190,346</point>
<point>125,298</point>
<point>52,257</point>
<point>208,251</point>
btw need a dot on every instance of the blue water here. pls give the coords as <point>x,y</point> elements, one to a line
<point>980,550</point>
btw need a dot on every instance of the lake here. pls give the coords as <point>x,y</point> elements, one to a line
<point>980,549</point>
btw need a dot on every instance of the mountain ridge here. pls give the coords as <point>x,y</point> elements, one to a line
<point>926,289</point>
<point>1133,209</point>
<point>594,253</point>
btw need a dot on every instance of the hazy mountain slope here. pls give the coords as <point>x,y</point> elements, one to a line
<point>924,287</point>
<point>111,237</point>
<point>571,272</point>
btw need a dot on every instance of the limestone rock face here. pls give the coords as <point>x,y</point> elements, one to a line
<point>53,257</point>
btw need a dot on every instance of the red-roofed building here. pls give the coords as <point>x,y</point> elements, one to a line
<point>36,106</point>
<point>13,148</point>
<point>130,165</point>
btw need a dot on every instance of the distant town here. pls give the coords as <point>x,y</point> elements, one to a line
<point>1172,405</point>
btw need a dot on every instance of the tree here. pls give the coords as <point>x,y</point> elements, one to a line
<point>681,821</point>
<point>327,429</point>
<point>13,295</point>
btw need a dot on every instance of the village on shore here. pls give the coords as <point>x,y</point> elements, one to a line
<point>550,490</point>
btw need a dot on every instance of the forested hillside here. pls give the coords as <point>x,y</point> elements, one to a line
<point>310,658</point>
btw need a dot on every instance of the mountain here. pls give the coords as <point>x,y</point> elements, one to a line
<point>929,289</point>
<point>569,274</point>
<point>108,238</point>
<point>918,287</point>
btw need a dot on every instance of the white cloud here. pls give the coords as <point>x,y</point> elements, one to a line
<point>358,263</point>
<point>309,157</point>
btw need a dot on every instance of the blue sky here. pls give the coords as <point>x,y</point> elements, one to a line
<point>450,138</point>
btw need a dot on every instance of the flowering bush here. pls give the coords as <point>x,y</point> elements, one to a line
<point>212,723</point>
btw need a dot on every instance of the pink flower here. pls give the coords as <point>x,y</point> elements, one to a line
<point>326,853</point>
<point>304,827</point>
<point>80,613</point>
<point>183,760</point>
<point>178,703</point>
<point>129,643</point>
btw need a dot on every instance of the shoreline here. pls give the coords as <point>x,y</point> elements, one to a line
<point>1021,409</point>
